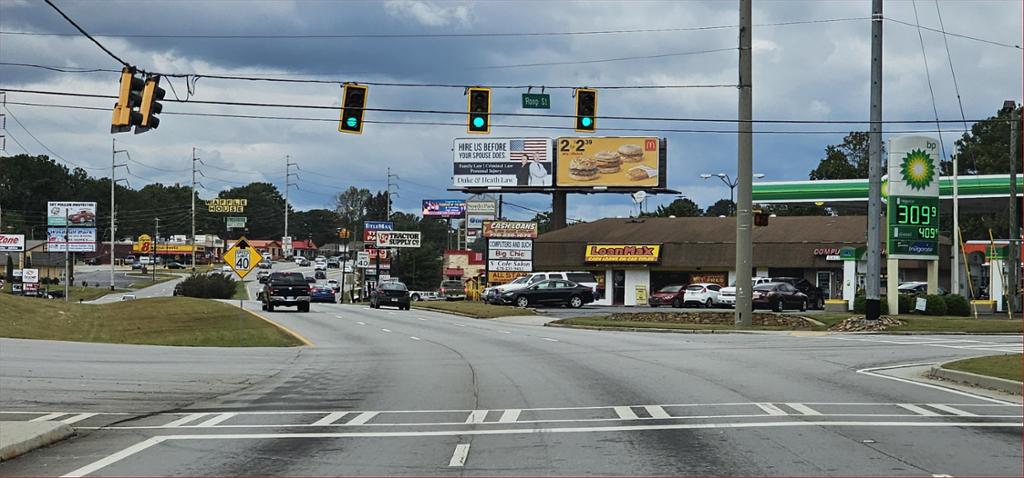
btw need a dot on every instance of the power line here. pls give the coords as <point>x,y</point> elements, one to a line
<point>928,75</point>
<point>437,35</point>
<point>463,113</point>
<point>87,35</point>
<point>956,87</point>
<point>958,35</point>
<point>604,60</point>
<point>47,148</point>
<point>463,125</point>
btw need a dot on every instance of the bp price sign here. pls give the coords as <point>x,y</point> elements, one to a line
<point>912,211</point>
<point>242,257</point>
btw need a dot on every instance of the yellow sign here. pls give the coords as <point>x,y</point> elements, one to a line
<point>641,294</point>
<point>147,247</point>
<point>636,253</point>
<point>610,161</point>
<point>494,277</point>
<point>242,257</point>
<point>226,205</point>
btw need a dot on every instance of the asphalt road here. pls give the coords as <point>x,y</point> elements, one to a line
<point>388,392</point>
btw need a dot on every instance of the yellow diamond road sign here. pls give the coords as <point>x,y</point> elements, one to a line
<point>242,257</point>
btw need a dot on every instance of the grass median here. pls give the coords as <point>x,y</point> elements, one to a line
<point>1001,366</point>
<point>478,310</point>
<point>160,321</point>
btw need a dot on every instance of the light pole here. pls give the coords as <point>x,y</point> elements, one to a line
<point>732,183</point>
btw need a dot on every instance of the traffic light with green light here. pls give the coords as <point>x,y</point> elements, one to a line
<point>128,99</point>
<point>152,94</point>
<point>353,102</point>
<point>586,110</point>
<point>479,110</point>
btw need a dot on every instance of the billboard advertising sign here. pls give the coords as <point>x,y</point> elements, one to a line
<point>512,229</point>
<point>286,246</point>
<point>79,239</point>
<point>913,166</point>
<point>12,242</point>
<point>82,214</point>
<point>502,162</point>
<point>398,239</point>
<point>496,277</point>
<point>487,208</point>
<point>609,161</point>
<point>236,222</point>
<point>444,207</point>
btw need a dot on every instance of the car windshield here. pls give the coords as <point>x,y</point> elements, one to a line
<point>451,284</point>
<point>671,288</point>
<point>287,278</point>
<point>393,286</point>
<point>765,287</point>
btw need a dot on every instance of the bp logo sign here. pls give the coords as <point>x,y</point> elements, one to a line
<point>912,168</point>
<point>917,169</point>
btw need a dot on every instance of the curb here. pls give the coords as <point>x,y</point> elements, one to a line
<point>38,435</point>
<point>994,383</point>
<point>668,331</point>
<point>460,314</point>
<point>922,332</point>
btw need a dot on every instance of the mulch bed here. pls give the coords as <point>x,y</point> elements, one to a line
<point>715,318</point>
<point>862,324</point>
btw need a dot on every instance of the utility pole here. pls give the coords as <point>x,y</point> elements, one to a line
<point>1013,251</point>
<point>872,307</point>
<point>156,245</point>
<point>113,182</point>
<point>954,279</point>
<point>744,173</point>
<point>287,183</point>
<point>67,246</point>
<point>192,241</point>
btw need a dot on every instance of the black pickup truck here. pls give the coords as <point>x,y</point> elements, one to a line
<point>286,289</point>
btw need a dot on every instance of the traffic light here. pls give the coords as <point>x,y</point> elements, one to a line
<point>479,110</point>
<point>352,107</point>
<point>152,93</point>
<point>129,96</point>
<point>586,110</point>
<point>760,218</point>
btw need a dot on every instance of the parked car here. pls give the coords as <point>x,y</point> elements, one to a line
<point>727,296</point>
<point>136,265</point>
<point>702,294</point>
<point>815,297</point>
<point>94,261</point>
<point>262,276</point>
<point>333,263</point>
<point>917,288</point>
<point>175,265</point>
<point>579,277</point>
<point>288,289</point>
<point>492,295</point>
<point>551,292</point>
<point>668,295</point>
<point>322,294</point>
<point>390,293</point>
<point>778,296</point>
<point>226,269</point>
<point>452,290</point>
<point>303,262</point>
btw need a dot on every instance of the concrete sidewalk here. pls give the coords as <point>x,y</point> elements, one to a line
<point>18,438</point>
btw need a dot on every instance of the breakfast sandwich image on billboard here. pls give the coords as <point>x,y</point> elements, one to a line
<point>607,161</point>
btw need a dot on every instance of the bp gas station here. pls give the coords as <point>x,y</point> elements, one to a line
<point>915,195</point>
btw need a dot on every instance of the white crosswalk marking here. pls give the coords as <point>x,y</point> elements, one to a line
<point>918,410</point>
<point>625,413</point>
<point>78,418</point>
<point>771,409</point>
<point>803,409</point>
<point>50,416</point>
<point>362,418</point>
<point>655,411</point>
<point>953,410</point>
<point>186,419</point>
<point>509,416</point>
<point>476,416</point>
<point>330,418</point>
<point>217,419</point>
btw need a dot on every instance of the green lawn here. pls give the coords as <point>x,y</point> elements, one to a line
<point>159,321</point>
<point>142,281</point>
<point>240,291</point>
<point>479,310</point>
<point>1002,366</point>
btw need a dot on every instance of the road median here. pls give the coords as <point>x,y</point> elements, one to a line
<point>18,438</point>
<point>476,310</point>
<point>996,372</point>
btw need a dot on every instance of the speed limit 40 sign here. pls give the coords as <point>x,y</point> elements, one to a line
<point>242,257</point>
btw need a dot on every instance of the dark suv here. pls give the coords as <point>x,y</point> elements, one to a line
<point>815,297</point>
<point>288,289</point>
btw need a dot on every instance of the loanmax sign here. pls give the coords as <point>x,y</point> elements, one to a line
<point>645,253</point>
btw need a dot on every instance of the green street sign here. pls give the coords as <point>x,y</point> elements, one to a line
<point>234,222</point>
<point>537,101</point>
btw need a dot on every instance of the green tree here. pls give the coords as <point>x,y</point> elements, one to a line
<point>351,208</point>
<point>682,207</point>
<point>722,207</point>
<point>847,160</point>
<point>377,207</point>
<point>264,210</point>
<point>320,225</point>
<point>543,220</point>
<point>10,269</point>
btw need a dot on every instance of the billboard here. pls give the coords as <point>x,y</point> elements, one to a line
<point>609,161</point>
<point>79,239</point>
<point>476,222</point>
<point>12,242</point>
<point>483,207</point>
<point>60,213</point>
<point>502,162</point>
<point>512,229</point>
<point>444,207</point>
<point>398,239</point>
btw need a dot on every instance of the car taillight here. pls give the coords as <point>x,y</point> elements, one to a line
<point>442,290</point>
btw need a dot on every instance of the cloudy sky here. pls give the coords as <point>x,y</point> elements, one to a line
<point>811,62</point>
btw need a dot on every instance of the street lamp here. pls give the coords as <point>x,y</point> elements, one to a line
<point>732,183</point>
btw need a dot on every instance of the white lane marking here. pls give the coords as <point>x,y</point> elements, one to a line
<point>330,418</point>
<point>872,373</point>
<point>803,409</point>
<point>941,476</point>
<point>476,416</point>
<point>367,308</point>
<point>47,417</point>
<point>550,339</point>
<point>187,418</point>
<point>953,410</point>
<point>391,313</point>
<point>461,325</point>
<point>459,457</point>
<point>625,413</point>
<point>771,409</point>
<point>362,418</point>
<point>361,323</point>
<point>510,416</point>
<point>414,338</point>
<point>918,410</point>
<point>217,419</point>
<point>655,411</point>
<point>78,418</point>
<point>116,457</point>
<point>505,332</point>
<point>420,318</point>
<point>386,330</point>
<point>337,316</point>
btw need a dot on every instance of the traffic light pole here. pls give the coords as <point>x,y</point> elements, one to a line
<point>744,174</point>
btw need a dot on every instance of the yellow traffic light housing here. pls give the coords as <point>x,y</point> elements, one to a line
<point>479,119</point>
<point>586,110</point>
<point>152,94</point>
<point>129,95</point>
<point>353,104</point>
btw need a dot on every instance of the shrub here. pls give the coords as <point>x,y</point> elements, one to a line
<point>936,305</point>
<point>208,286</point>
<point>860,301</point>
<point>906,303</point>
<point>957,305</point>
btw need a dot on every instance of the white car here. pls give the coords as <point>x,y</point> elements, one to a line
<point>702,294</point>
<point>226,269</point>
<point>727,296</point>
<point>333,284</point>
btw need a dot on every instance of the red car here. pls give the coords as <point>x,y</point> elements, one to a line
<point>82,217</point>
<point>668,295</point>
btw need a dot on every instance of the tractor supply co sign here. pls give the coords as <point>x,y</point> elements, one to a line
<point>509,255</point>
<point>633,253</point>
<point>398,239</point>
<point>79,239</point>
<point>510,229</point>
<point>502,162</point>
<point>12,242</point>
